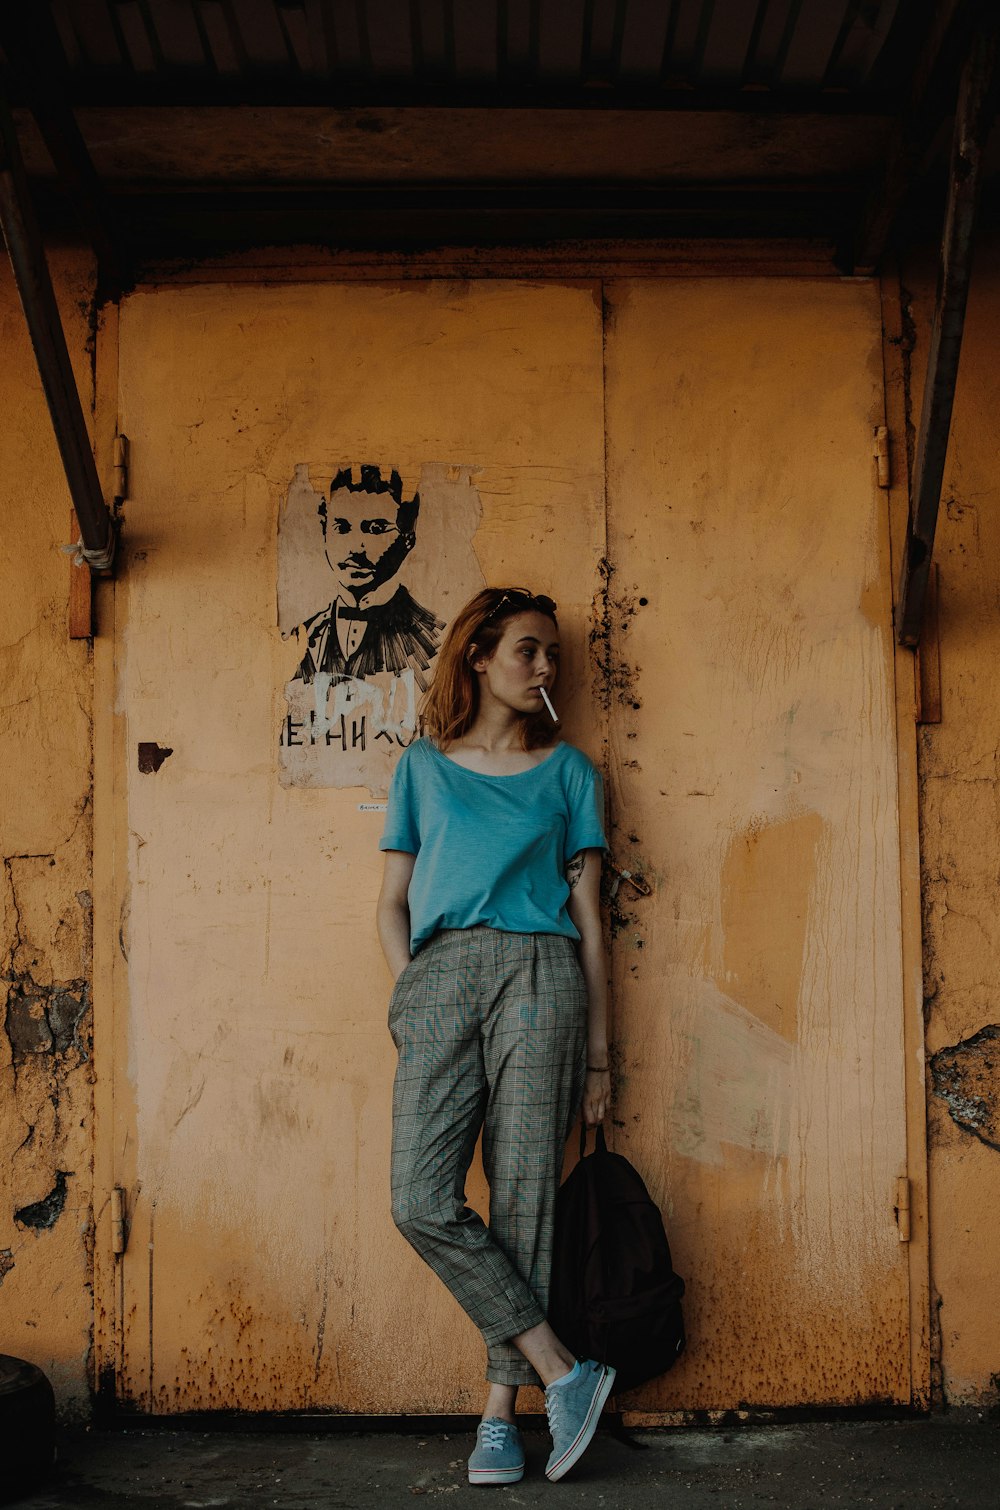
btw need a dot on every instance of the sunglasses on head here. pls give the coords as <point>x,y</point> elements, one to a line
<point>520,597</point>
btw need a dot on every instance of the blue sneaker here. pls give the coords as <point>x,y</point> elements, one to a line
<point>574,1410</point>
<point>498,1456</point>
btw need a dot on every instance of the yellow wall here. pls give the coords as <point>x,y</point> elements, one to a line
<point>960,851</point>
<point>45,786</point>
<point>45,822</point>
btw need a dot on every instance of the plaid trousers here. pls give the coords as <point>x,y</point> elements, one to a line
<point>491,1032</point>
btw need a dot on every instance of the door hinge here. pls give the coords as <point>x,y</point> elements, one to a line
<point>903,1208</point>
<point>120,468</point>
<point>119,1222</point>
<point>881,454</point>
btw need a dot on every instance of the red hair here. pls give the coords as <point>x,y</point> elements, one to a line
<point>450,704</point>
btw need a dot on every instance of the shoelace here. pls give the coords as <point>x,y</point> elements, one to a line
<point>555,1400</point>
<point>494,1434</point>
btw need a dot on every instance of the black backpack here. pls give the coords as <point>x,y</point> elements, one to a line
<point>614,1295</point>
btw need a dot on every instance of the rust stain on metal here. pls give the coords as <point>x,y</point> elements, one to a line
<point>615,679</point>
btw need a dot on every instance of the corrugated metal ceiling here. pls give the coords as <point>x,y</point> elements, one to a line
<point>116,47</point>
<point>204,123</point>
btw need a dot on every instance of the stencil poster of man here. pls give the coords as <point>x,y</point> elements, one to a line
<point>372,624</point>
<point>365,639</point>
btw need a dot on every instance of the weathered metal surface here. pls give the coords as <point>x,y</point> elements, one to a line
<point>262,1269</point>
<point>758,994</point>
<point>608,44</point>
<point>757,987</point>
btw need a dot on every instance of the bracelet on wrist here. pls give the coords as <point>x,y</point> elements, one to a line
<point>599,1069</point>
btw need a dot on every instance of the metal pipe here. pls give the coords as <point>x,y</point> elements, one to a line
<point>973,118</point>
<point>34,285</point>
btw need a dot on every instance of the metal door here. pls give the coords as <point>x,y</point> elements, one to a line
<point>752,745</point>
<point>253,1068</point>
<point>724,591</point>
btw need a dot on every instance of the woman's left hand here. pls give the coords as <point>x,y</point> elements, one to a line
<point>596,1096</point>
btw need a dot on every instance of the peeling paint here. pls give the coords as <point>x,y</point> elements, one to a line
<point>46,907</point>
<point>151,757</point>
<point>966,1076</point>
<point>47,1211</point>
<point>46,1020</point>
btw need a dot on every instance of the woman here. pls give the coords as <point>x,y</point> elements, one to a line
<point>489,919</point>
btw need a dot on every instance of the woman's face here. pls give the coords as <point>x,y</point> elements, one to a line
<point>526,658</point>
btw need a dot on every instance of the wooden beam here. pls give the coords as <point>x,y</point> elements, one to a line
<point>81,597</point>
<point>976,107</point>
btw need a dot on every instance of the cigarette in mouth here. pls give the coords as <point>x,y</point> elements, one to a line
<point>552,712</point>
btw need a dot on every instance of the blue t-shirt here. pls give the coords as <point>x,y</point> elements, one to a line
<point>492,849</point>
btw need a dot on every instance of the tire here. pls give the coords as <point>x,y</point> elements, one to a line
<point>27,1426</point>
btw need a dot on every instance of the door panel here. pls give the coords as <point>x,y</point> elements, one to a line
<point>752,745</point>
<point>744,711</point>
<point>263,1271</point>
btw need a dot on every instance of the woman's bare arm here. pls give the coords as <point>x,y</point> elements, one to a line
<point>584,906</point>
<point>393,912</point>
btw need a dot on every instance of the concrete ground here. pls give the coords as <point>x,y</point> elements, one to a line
<point>951,1460</point>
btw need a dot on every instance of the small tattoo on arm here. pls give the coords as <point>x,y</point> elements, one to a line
<point>574,870</point>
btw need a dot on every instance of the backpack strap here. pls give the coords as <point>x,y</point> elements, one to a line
<point>600,1142</point>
